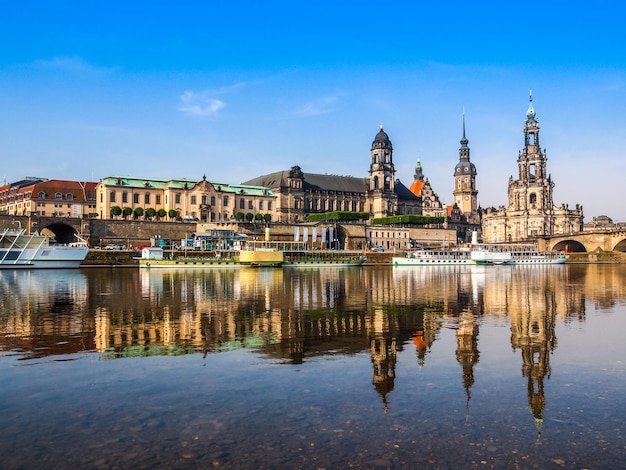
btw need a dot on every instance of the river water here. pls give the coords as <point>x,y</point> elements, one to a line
<point>366,367</point>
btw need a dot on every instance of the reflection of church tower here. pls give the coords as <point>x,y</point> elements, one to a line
<point>467,349</point>
<point>382,197</point>
<point>533,332</point>
<point>383,351</point>
<point>465,192</point>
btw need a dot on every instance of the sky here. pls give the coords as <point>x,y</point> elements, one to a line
<point>235,90</point>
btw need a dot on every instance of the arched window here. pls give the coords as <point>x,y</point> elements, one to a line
<point>58,196</point>
<point>41,195</point>
<point>69,196</point>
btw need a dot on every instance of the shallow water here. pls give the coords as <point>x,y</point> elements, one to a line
<point>368,367</point>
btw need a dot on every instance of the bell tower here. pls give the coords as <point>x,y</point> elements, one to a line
<point>532,192</point>
<point>465,192</point>
<point>383,200</point>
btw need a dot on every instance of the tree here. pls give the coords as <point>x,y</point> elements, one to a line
<point>172,214</point>
<point>116,211</point>
<point>267,218</point>
<point>127,212</point>
<point>138,212</point>
<point>161,213</point>
<point>150,212</point>
<point>258,217</point>
<point>239,216</point>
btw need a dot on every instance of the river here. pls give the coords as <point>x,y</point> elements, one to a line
<point>359,367</point>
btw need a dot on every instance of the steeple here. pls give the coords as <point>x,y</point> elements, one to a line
<point>530,114</point>
<point>465,192</point>
<point>464,140</point>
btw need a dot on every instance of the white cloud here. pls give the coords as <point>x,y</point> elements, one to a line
<point>200,104</point>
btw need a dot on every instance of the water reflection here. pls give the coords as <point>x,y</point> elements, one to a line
<point>404,323</point>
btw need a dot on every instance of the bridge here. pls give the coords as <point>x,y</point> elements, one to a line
<point>61,228</point>
<point>605,239</point>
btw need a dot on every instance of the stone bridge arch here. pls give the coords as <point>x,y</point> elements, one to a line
<point>569,245</point>
<point>61,232</point>
<point>620,245</point>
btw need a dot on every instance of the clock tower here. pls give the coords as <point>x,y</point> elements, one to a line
<point>465,192</point>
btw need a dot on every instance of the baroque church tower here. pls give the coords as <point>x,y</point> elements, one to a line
<point>465,192</point>
<point>532,192</point>
<point>383,200</point>
<point>531,212</point>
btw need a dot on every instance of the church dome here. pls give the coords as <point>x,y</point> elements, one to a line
<point>381,140</point>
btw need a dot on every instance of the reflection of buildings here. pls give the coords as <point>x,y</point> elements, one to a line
<point>467,349</point>
<point>292,315</point>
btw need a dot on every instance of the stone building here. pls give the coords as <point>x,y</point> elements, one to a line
<point>192,200</point>
<point>431,205</point>
<point>531,212</point>
<point>52,198</point>
<point>299,194</point>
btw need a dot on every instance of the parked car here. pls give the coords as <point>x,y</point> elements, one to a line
<point>113,246</point>
<point>378,248</point>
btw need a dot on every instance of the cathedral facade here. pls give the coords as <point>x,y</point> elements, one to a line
<point>531,212</point>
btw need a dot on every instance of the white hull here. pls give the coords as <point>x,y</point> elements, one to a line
<point>479,257</point>
<point>44,257</point>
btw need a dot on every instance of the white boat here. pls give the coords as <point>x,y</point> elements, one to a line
<point>21,251</point>
<point>482,254</point>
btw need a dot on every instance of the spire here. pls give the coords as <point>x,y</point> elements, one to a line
<point>464,140</point>
<point>530,114</point>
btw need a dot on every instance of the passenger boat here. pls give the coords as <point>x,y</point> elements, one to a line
<point>482,254</point>
<point>21,251</point>
<point>255,255</point>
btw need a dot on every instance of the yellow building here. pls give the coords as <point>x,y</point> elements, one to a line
<point>51,198</point>
<point>182,199</point>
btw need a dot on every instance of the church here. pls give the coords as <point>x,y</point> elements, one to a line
<point>531,212</point>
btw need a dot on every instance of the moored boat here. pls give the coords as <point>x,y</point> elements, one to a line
<point>21,251</point>
<point>482,254</point>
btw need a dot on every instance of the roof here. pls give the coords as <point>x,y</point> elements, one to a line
<point>313,182</point>
<point>417,186</point>
<point>184,183</point>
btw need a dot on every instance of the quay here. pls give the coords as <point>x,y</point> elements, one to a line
<point>128,258</point>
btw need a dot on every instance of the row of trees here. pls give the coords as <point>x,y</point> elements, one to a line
<point>344,216</point>
<point>150,213</point>
<point>138,212</point>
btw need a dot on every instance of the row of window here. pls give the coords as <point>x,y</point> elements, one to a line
<point>193,200</point>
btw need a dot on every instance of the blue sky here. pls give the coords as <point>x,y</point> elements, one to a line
<point>239,89</point>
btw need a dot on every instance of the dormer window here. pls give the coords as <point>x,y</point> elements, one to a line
<point>41,195</point>
<point>58,196</point>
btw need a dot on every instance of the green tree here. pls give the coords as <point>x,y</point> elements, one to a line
<point>239,216</point>
<point>249,216</point>
<point>172,214</point>
<point>127,212</point>
<point>161,213</point>
<point>138,212</point>
<point>150,212</point>
<point>116,211</point>
<point>267,218</point>
<point>258,217</point>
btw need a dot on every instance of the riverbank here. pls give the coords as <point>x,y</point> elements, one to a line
<point>121,258</point>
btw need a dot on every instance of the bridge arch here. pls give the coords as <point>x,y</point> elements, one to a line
<point>620,246</point>
<point>62,233</point>
<point>570,246</point>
